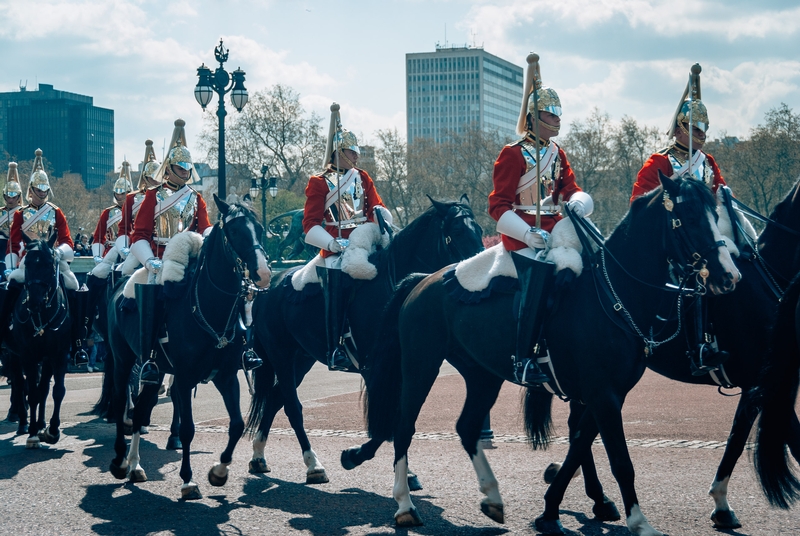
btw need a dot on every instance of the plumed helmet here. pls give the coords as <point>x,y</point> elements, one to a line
<point>12,188</point>
<point>178,154</point>
<point>123,183</point>
<point>151,165</point>
<point>690,109</point>
<point>38,176</point>
<point>546,99</point>
<point>338,137</point>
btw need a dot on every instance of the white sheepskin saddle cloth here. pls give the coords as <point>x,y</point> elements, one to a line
<point>180,249</point>
<point>475,273</point>
<point>355,260</point>
<point>726,229</point>
<point>70,281</point>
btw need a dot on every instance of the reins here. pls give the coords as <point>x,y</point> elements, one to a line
<point>51,292</point>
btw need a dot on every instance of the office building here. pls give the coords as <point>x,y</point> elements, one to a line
<point>453,87</point>
<point>75,135</point>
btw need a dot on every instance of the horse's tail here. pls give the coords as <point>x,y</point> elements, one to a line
<point>382,399</point>
<point>777,394</point>
<point>264,382</point>
<point>537,404</point>
<point>103,407</point>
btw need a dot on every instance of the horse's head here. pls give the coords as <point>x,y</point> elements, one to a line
<point>243,233</point>
<point>461,236</point>
<point>694,238</point>
<point>779,246</point>
<point>41,271</point>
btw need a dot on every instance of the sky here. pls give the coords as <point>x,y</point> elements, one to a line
<point>624,57</point>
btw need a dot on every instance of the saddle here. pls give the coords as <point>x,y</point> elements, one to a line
<point>181,248</point>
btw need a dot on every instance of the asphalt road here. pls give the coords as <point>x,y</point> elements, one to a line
<point>675,432</point>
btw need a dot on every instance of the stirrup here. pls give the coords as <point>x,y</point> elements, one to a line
<point>250,360</point>
<point>706,360</point>
<point>338,360</point>
<point>149,373</point>
<point>528,373</point>
<point>80,358</point>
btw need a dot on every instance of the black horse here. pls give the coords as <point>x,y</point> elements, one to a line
<point>204,343</point>
<point>778,426</point>
<point>40,342</point>
<point>597,347</point>
<point>736,317</point>
<point>290,328</point>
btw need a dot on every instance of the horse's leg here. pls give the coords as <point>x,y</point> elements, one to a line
<point>189,490</point>
<point>174,441</point>
<point>418,378</point>
<point>141,417</point>
<point>122,371</point>
<point>723,516</point>
<point>607,411</point>
<point>44,391</point>
<point>229,389</point>
<point>482,391</point>
<point>34,392</point>
<point>52,434</point>
<point>19,394</point>
<point>135,471</point>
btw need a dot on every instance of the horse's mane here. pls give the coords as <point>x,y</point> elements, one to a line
<point>694,193</point>
<point>38,245</point>
<point>234,211</point>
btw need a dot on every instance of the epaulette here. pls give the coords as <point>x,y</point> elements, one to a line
<point>515,143</point>
<point>153,188</point>
<point>665,150</point>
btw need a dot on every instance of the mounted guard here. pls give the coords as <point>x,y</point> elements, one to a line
<point>531,178</point>
<point>341,198</point>
<point>687,133</point>
<point>149,177</point>
<point>12,195</point>
<point>36,220</point>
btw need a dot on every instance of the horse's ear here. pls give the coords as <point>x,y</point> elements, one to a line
<point>670,186</point>
<point>440,207</point>
<point>221,205</point>
<point>52,236</point>
<point>464,200</point>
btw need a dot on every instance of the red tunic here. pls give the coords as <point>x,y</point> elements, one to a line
<point>144,223</point>
<point>102,234</point>
<point>126,225</point>
<point>15,233</point>
<point>508,169</point>
<point>314,212</point>
<point>647,179</point>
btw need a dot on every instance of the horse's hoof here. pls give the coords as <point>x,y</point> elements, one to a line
<point>548,526</point>
<point>32,442</point>
<point>190,492</point>
<point>49,438</point>
<point>317,477</point>
<point>137,475</point>
<point>493,511</point>
<point>259,466</point>
<point>174,443</point>
<point>606,511</point>
<point>413,482</point>
<point>216,480</point>
<point>408,519</point>
<point>22,429</point>
<point>551,472</point>
<point>347,458</point>
<point>118,472</point>
<point>725,519</point>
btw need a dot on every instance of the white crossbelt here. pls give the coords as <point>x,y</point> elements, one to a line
<point>36,217</point>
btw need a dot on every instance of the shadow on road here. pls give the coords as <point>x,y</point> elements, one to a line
<point>330,514</point>
<point>591,527</point>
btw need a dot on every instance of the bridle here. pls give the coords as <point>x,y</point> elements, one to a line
<point>51,293</point>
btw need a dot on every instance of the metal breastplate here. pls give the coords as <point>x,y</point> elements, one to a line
<point>112,230</point>
<point>40,229</point>
<point>530,196</point>
<point>701,172</point>
<point>6,218</point>
<point>175,219</point>
<point>347,210</point>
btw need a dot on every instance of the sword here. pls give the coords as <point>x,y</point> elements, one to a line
<point>691,125</point>
<point>533,59</point>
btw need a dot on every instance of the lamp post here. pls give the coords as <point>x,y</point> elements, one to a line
<point>207,85</point>
<point>263,186</point>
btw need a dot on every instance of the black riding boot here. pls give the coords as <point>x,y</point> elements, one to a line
<point>9,292</point>
<point>705,357</point>
<point>336,303</point>
<point>151,319</point>
<point>78,306</point>
<point>97,289</point>
<point>535,278</point>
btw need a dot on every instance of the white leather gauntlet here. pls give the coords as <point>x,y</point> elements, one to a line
<point>142,251</point>
<point>581,204</point>
<point>510,224</point>
<point>320,238</point>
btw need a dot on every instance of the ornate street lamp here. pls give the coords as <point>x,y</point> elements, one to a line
<point>218,82</point>
<point>263,186</point>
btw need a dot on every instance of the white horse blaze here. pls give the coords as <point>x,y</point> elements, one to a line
<point>133,453</point>
<point>638,524</point>
<point>400,491</point>
<point>724,255</point>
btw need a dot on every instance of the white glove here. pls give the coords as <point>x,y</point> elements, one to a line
<point>337,245</point>
<point>511,224</point>
<point>535,240</point>
<point>386,213</point>
<point>66,253</point>
<point>320,238</point>
<point>581,204</point>
<point>141,250</point>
